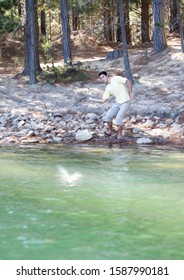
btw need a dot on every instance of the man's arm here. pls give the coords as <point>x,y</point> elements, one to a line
<point>129,86</point>
<point>103,100</point>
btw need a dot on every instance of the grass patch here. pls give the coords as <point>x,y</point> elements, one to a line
<point>65,74</point>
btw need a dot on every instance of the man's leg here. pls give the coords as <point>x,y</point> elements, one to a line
<point>110,128</point>
<point>109,116</point>
<point>120,128</point>
<point>119,118</point>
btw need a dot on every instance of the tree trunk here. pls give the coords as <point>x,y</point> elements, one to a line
<point>159,39</point>
<point>180,24</point>
<point>75,19</point>
<point>127,21</point>
<point>27,37</point>
<point>127,24</point>
<point>66,33</point>
<point>118,30</point>
<point>19,8</point>
<point>32,57</point>
<point>107,21</point>
<point>43,23</point>
<point>174,26</point>
<point>145,37</point>
<point>124,41</point>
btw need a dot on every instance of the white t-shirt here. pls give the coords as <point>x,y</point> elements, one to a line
<point>117,88</point>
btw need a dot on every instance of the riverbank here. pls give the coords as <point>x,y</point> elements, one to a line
<point>59,113</point>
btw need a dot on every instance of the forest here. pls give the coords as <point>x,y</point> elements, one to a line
<point>117,23</point>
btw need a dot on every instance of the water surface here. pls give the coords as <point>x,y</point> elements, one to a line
<point>91,203</point>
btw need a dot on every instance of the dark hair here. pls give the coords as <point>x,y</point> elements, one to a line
<point>102,73</point>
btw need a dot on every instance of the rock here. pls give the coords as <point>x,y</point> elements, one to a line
<point>83,135</point>
<point>181,118</point>
<point>21,133</point>
<point>182,131</point>
<point>10,140</point>
<point>137,130</point>
<point>133,119</point>
<point>149,123</point>
<point>89,121</point>
<point>57,114</point>
<point>136,76</point>
<point>115,54</point>
<point>39,126</point>
<point>91,116</point>
<point>155,132</point>
<point>48,128</point>
<point>57,139</point>
<point>21,123</point>
<point>169,121</point>
<point>30,133</point>
<point>3,120</point>
<point>29,141</point>
<point>161,125</point>
<point>144,140</point>
<point>176,127</point>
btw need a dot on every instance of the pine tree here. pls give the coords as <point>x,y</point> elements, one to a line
<point>66,33</point>
<point>159,39</point>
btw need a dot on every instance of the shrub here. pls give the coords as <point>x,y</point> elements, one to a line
<point>65,74</point>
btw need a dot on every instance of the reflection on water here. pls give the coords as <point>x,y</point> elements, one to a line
<point>91,203</point>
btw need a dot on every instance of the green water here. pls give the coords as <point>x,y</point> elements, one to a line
<point>123,203</point>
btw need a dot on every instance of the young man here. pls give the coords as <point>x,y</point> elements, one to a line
<point>121,89</point>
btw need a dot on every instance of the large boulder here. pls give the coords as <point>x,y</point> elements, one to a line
<point>83,135</point>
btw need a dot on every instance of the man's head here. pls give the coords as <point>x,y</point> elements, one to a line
<point>103,76</point>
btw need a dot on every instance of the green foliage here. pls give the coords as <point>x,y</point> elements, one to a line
<point>46,49</point>
<point>17,61</point>
<point>6,4</point>
<point>83,7</point>
<point>8,18</point>
<point>7,23</point>
<point>65,74</point>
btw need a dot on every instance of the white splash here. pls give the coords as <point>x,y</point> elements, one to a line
<point>68,178</point>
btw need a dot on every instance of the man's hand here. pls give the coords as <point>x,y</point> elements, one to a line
<point>132,97</point>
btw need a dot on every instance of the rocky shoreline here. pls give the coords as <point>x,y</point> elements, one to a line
<point>47,114</point>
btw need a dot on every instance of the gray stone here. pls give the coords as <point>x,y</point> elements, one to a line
<point>144,140</point>
<point>83,135</point>
<point>3,120</point>
<point>115,54</point>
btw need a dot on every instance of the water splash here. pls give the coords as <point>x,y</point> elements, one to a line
<point>70,179</point>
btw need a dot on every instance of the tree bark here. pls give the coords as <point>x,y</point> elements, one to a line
<point>174,25</point>
<point>66,33</point>
<point>107,21</point>
<point>159,39</point>
<point>31,18</point>
<point>75,19</point>
<point>43,23</point>
<point>127,21</point>
<point>19,8</point>
<point>145,37</point>
<point>180,24</point>
<point>124,41</point>
<point>32,57</point>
